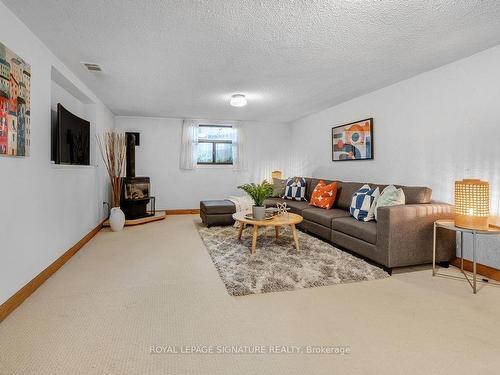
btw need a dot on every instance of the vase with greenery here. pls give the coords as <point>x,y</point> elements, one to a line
<point>112,147</point>
<point>259,193</point>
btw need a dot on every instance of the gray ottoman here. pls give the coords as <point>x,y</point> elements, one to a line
<point>217,212</point>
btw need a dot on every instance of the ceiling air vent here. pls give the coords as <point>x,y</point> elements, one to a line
<point>92,67</point>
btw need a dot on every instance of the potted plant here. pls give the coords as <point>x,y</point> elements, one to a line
<point>259,193</point>
<point>112,147</point>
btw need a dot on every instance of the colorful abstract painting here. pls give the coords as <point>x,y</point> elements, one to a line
<point>353,141</point>
<point>15,78</point>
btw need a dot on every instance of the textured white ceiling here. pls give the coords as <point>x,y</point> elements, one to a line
<point>185,58</point>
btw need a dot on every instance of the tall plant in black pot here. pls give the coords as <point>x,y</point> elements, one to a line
<point>259,193</point>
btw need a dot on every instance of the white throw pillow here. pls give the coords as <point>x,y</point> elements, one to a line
<point>371,212</point>
<point>391,196</point>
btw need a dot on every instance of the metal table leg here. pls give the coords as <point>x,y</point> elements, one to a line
<point>434,253</point>
<point>462,251</point>
<point>474,288</point>
<point>472,281</point>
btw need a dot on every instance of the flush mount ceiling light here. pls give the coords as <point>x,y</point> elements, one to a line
<point>238,100</point>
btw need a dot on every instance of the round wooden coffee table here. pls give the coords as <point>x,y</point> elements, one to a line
<point>276,222</point>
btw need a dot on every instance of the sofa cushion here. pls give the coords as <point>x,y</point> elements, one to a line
<point>278,187</point>
<point>322,216</point>
<point>363,203</point>
<point>271,202</point>
<point>296,207</point>
<point>416,194</point>
<point>295,189</point>
<point>345,190</point>
<point>217,207</point>
<point>390,196</point>
<point>311,185</point>
<point>324,195</point>
<point>413,194</point>
<point>366,231</point>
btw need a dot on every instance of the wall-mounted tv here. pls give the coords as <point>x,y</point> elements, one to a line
<point>72,138</point>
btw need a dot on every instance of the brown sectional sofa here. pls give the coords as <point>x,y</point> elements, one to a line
<point>402,236</point>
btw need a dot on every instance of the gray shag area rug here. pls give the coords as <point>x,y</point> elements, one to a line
<point>276,266</point>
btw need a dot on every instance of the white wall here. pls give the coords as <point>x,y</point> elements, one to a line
<point>267,146</point>
<point>60,95</point>
<point>44,210</point>
<point>429,130</point>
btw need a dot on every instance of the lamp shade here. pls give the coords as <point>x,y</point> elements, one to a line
<point>277,174</point>
<point>472,204</point>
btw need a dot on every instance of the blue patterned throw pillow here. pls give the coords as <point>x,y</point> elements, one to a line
<point>295,189</point>
<point>363,203</point>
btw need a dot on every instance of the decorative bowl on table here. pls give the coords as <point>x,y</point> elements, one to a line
<point>268,216</point>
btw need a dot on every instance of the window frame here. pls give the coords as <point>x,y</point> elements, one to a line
<point>214,144</point>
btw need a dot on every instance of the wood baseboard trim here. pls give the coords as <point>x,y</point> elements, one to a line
<point>18,298</point>
<point>489,272</point>
<point>188,211</point>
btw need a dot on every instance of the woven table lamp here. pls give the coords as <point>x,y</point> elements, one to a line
<point>472,204</point>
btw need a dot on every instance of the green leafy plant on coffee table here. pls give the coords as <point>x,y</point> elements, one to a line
<point>258,192</point>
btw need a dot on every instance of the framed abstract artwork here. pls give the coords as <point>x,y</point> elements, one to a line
<point>353,141</point>
<point>15,86</point>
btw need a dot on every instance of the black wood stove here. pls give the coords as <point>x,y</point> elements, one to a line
<point>135,190</point>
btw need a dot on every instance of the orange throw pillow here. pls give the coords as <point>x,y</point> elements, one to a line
<point>324,195</point>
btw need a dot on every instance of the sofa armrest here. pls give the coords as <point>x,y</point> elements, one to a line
<point>405,233</point>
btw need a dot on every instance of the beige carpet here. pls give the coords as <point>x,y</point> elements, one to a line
<point>156,285</point>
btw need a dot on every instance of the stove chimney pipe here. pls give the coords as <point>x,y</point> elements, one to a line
<point>130,155</point>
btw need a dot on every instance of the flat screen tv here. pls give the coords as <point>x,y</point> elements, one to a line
<point>73,138</point>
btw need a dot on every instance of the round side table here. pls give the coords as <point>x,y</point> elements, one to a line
<point>450,225</point>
